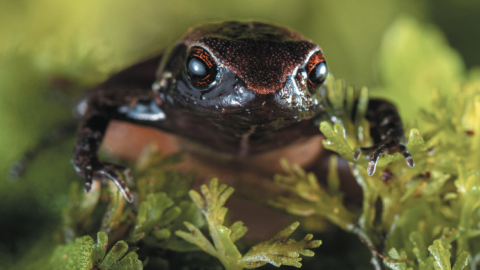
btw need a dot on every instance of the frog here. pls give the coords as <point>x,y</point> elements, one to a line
<point>238,88</point>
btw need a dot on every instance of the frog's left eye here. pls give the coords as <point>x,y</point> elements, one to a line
<point>317,70</point>
<point>201,67</point>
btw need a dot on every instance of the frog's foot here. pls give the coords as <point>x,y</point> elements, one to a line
<point>373,153</point>
<point>106,170</point>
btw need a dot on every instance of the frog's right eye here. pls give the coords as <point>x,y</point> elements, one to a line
<point>317,70</point>
<point>201,67</point>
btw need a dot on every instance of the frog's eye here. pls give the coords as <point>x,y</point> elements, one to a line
<point>201,67</point>
<point>317,70</point>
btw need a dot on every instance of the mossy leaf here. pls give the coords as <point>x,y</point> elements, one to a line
<point>153,212</point>
<point>158,217</point>
<point>280,251</point>
<point>441,255</point>
<point>312,198</point>
<point>195,236</point>
<point>238,230</point>
<point>230,254</point>
<point>462,261</point>
<point>84,254</point>
<point>114,255</point>
<point>419,249</point>
<point>395,261</point>
<point>336,140</point>
<point>100,248</point>
<point>84,249</point>
<point>277,251</point>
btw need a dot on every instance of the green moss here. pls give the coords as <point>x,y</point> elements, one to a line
<point>277,251</point>
<point>84,254</point>
<point>435,204</point>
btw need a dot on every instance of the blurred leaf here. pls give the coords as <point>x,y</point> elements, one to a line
<point>398,264</point>
<point>420,250</point>
<point>414,58</point>
<point>462,261</point>
<point>153,212</point>
<point>158,217</point>
<point>312,198</point>
<point>115,211</point>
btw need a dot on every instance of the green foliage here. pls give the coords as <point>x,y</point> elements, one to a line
<point>164,209</point>
<point>277,251</point>
<point>153,212</point>
<point>158,217</point>
<point>440,192</point>
<point>78,212</point>
<point>84,254</point>
<point>312,198</point>
<point>439,258</point>
<point>436,204</point>
<point>152,221</point>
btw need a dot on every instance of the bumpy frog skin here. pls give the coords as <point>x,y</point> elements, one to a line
<point>241,88</point>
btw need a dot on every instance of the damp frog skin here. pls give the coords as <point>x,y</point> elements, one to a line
<point>240,88</point>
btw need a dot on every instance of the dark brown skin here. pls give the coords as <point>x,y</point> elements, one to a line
<point>237,88</point>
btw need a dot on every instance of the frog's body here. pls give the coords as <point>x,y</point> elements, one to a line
<point>237,88</point>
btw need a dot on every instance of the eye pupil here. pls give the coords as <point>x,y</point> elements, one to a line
<point>197,68</point>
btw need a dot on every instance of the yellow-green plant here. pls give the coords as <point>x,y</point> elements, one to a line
<point>277,251</point>
<point>84,254</point>
<point>413,218</point>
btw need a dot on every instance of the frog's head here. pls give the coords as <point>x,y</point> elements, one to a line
<point>250,72</point>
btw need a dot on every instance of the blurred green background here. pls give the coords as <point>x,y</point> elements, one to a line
<point>51,50</point>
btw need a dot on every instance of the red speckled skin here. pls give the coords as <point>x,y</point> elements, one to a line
<point>261,55</point>
<point>260,99</point>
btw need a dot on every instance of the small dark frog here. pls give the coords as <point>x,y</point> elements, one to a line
<point>240,88</point>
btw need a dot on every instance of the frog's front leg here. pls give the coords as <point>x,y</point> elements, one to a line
<point>126,96</point>
<point>85,159</point>
<point>92,131</point>
<point>386,130</point>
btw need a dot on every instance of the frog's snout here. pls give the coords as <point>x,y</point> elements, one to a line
<point>296,97</point>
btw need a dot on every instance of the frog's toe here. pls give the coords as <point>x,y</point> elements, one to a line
<point>124,170</point>
<point>373,159</point>
<point>372,154</point>
<point>406,154</point>
<point>97,170</point>
<point>88,180</point>
<point>109,170</point>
